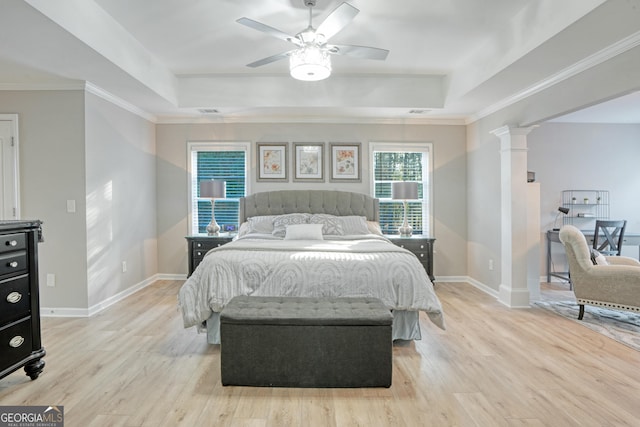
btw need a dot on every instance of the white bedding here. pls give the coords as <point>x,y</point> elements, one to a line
<point>365,265</point>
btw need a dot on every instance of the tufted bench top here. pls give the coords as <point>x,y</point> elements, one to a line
<point>306,311</point>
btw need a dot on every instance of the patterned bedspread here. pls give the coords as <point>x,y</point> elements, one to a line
<point>365,266</point>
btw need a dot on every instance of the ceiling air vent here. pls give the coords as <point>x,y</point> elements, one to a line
<point>418,111</point>
<point>208,111</point>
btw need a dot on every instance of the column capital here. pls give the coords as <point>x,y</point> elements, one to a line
<point>512,130</point>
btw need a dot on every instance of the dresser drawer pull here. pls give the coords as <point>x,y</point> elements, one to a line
<point>16,341</point>
<point>14,297</point>
<point>12,243</point>
<point>13,264</point>
<point>421,246</point>
<point>421,255</point>
<point>199,245</point>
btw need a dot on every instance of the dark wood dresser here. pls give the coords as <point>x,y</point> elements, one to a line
<point>200,244</point>
<point>20,340</point>
<point>421,246</point>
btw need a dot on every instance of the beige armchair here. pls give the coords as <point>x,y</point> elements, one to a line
<point>614,282</point>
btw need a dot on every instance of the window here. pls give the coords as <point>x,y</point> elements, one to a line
<point>402,162</point>
<point>226,161</point>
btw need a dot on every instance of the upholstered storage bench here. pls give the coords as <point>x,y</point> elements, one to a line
<point>306,342</point>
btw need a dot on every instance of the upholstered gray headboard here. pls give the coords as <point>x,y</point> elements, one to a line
<point>309,201</point>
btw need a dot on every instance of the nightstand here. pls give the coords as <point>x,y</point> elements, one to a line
<point>200,244</point>
<point>421,246</point>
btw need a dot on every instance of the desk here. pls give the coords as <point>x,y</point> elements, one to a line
<point>630,239</point>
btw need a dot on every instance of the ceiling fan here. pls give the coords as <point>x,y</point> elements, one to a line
<point>310,60</point>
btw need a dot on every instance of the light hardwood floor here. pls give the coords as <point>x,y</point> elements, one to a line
<point>134,365</point>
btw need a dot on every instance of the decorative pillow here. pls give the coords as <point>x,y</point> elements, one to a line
<point>331,224</point>
<point>244,229</point>
<point>304,232</point>
<point>261,224</point>
<point>597,258</point>
<point>353,225</point>
<point>374,228</point>
<point>281,222</point>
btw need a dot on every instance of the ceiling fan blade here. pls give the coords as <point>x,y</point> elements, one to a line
<point>269,30</point>
<point>365,52</point>
<point>337,20</point>
<point>270,59</point>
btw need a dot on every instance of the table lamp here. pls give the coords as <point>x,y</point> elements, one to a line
<point>213,189</point>
<point>555,221</point>
<point>403,190</point>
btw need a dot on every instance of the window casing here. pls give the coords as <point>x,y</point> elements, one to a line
<point>402,162</point>
<point>227,161</point>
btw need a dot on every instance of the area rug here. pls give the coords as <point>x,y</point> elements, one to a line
<point>621,326</point>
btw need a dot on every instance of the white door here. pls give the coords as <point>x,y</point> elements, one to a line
<point>9,206</point>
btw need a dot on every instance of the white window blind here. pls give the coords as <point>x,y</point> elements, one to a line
<point>402,162</point>
<point>223,161</point>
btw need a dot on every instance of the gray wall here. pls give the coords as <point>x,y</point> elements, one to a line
<point>129,180</point>
<point>52,170</point>
<point>76,146</point>
<point>449,178</point>
<point>587,157</point>
<point>120,199</point>
<point>573,156</point>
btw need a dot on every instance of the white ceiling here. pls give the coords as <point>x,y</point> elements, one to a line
<point>454,60</point>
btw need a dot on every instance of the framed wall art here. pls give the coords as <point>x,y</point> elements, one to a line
<point>308,161</point>
<point>272,161</point>
<point>345,162</point>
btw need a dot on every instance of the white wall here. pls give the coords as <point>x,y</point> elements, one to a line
<point>449,178</point>
<point>120,199</point>
<point>573,156</point>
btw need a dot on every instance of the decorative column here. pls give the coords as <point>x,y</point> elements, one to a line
<point>514,291</point>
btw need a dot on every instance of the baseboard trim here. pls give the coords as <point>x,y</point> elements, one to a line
<point>473,282</point>
<point>83,312</point>
<point>167,276</point>
<point>97,308</point>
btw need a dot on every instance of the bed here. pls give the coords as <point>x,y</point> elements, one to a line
<point>315,243</point>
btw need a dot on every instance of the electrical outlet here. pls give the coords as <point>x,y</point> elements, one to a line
<point>490,264</point>
<point>51,280</point>
<point>124,266</point>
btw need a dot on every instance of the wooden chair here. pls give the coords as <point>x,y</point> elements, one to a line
<point>607,239</point>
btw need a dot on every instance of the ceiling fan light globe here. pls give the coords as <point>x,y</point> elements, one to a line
<point>310,64</point>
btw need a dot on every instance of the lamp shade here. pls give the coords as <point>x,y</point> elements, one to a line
<point>213,189</point>
<point>402,190</point>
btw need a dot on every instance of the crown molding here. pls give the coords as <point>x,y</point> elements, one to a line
<point>107,96</point>
<point>42,86</point>
<point>590,61</point>
<point>310,120</point>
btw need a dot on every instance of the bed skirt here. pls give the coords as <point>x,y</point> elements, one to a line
<point>406,326</point>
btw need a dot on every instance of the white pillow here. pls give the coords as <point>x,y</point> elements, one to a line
<point>244,229</point>
<point>353,225</point>
<point>281,222</point>
<point>304,232</point>
<point>374,228</point>
<point>261,224</point>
